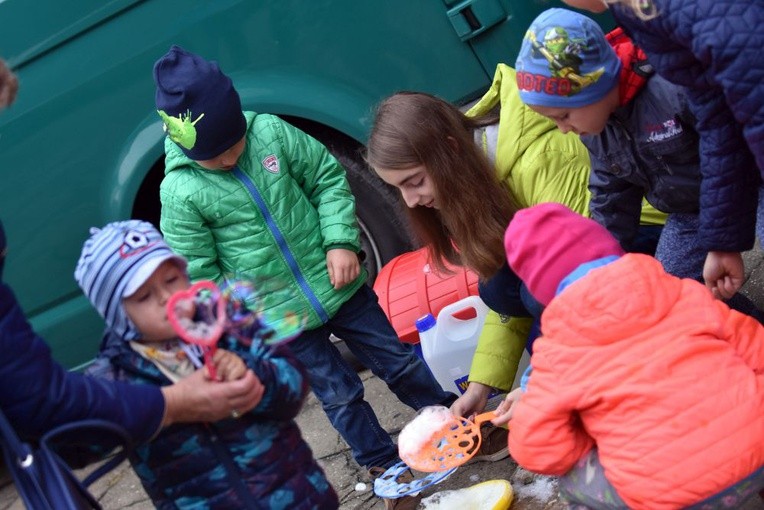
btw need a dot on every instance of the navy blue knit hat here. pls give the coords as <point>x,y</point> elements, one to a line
<point>115,262</point>
<point>200,107</point>
<point>565,61</point>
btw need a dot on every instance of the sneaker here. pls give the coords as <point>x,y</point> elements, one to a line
<point>403,503</point>
<point>493,445</point>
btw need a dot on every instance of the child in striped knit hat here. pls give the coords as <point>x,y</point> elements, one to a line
<point>253,460</point>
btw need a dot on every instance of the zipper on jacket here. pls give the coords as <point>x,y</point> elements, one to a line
<point>232,470</point>
<point>282,244</point>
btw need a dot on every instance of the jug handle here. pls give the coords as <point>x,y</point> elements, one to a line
<point>481,309</point>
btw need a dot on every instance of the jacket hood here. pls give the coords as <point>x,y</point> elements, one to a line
<point>519,124</point>
<point>612,303</point>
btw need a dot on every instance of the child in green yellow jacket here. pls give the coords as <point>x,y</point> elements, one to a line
<point>249,194</point>
<point>463,176</point>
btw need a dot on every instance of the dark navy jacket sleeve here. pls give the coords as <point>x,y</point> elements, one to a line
<point>615,204</point>
<point>284,378</point>
<point>713,47</point>
<point>38,393</point>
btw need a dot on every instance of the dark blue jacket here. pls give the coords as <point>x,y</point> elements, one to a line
<point>257,461</point>
<point>648,148</point>
<point>38,394</point>
<point>714,48</point>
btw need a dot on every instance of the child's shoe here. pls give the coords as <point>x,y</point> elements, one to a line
<point>403,503</point>
<point>493,444</point>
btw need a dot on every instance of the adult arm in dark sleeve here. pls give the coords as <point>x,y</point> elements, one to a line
<point>39,394</point>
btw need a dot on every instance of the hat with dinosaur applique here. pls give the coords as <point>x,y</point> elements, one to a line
<point>198,104</point>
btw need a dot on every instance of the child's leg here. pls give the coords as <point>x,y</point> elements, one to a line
<point>679,253</point>
<point>362,324</point>
<point>735,496</point>
<point>340,391</point>
<point>586,485</point>
<point>760,217</point>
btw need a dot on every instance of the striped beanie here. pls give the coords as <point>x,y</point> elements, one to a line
<point>115,262</point>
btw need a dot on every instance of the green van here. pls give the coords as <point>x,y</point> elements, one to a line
<point>83,144</point>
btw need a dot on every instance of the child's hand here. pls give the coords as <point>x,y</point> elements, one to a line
<point>228,365</point>
<point>343,266</point>
<point>473,400</point>
<point>724,273</point>
<point>505,410</point>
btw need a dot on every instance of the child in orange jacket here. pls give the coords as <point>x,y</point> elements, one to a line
<point>645,392</point>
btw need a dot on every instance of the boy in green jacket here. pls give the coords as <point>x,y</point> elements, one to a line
<point>249,194</point>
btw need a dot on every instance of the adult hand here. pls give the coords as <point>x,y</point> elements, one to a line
<point>196,398</point>
<point>9,85</point>
<point>343,266</point>
<point>724,273</point>
<point>505,410</point>
<point>473,401</point>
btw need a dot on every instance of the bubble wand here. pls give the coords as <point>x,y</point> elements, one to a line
<point>440,440</point>
<point>198,316</point>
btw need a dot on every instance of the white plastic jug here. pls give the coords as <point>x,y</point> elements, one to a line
<point>449,343</point>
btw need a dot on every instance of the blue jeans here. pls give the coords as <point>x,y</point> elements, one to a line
<point>362,324</point>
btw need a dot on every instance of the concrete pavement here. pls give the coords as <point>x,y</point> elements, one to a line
<point>121,489</point>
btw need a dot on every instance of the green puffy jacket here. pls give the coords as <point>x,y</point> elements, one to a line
<point>539,164</point>
<point>274,217</point>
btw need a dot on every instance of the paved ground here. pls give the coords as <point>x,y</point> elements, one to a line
<point>121,489</point>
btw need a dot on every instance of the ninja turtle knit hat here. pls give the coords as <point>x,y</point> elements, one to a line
<point>565,61</point>
<point>546,242</point>
<point>115,262</point>
<point>200,107</point>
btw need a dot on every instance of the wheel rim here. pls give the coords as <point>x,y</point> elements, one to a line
<point>373,260</point>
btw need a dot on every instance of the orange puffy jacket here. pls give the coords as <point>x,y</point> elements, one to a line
<point>665,380</point>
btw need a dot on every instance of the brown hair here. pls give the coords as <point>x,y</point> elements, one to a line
<point>413,129</point>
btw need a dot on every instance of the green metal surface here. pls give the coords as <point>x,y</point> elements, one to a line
<point>83,133</point>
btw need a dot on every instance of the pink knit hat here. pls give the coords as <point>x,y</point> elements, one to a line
<point>546,242</point>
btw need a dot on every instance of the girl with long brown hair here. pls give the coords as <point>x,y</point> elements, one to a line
<point>463,176</point>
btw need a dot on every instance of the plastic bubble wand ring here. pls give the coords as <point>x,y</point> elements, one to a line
<point>198,316</point>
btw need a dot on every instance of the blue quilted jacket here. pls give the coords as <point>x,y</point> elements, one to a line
<point>649,149</point>
<point>258,461</point>
<point>714,48</point>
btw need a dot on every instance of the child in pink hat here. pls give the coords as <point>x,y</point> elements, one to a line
<point>645,392</point>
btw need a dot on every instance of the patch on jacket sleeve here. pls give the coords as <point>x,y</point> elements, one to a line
<point>271,164</point>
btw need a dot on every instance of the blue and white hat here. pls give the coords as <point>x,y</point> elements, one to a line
<point>565,61</point>
<point>115,262</point>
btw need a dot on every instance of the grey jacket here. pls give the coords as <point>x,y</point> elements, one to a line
<point>648,148</point>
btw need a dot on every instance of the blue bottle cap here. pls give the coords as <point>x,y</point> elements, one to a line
<point>424,323</point>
